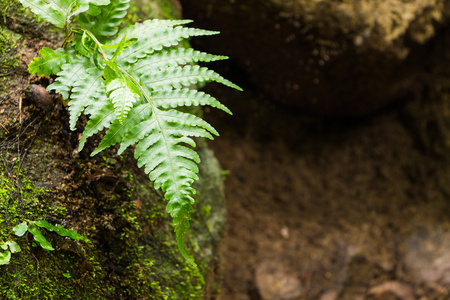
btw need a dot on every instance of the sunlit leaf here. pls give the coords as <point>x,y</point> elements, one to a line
<point>20,229</point>
<point>5,257</point>
<point>60,230</point>
<point>39,238</point>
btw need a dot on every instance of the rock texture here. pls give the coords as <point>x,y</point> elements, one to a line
<point>358,207</point>
<point>326,58</point>
<point>380,25</point>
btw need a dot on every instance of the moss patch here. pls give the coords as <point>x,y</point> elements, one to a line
<point>34,273</point>
<point>8,50</point>
<point>8,56</point>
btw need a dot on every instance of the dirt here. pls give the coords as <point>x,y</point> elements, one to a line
<point>331,210</point>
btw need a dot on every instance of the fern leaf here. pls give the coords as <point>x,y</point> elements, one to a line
<point>69,74</point>
<point>107,19</point>
<point>174,171</point>
<point>118,131</point>
<point>187,122</point>
<point>154,40</point>
<point>53,11</point>
<point>58,12</point>
<point>83,5</point>
<point>136,31</point>
<point>185,97</point>
<point>49,62</point>
<point>172,58</point>
<point>171,165</point>
<point>85,89</point>
<point>122,97</point>
<point>177,77</point>
<point>102,114</point>
<point>132,86</point>
<point>181,215</point>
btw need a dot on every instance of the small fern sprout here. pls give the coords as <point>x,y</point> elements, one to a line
<point>131,83</point>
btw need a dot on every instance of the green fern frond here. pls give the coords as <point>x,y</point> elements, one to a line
<point>171,58</point>
<point>185,97</point>
<point>102,114</point>
<point>49,63</point>
<point>53,11</point>
<point>171,165</point>
<point>177,77</point>
<point>69,74</point>
<point>58,12</point>
<point>107,19</point>
<point>131,87</point>
<point>122,98</point>
<point>85,89</point>
<point>156,39</point>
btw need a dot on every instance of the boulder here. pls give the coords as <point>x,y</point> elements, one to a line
<point>325,58</point>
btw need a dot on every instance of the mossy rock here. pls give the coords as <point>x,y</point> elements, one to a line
<point>132,252</point>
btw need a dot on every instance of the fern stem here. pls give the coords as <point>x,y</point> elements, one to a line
<point>92,36</point>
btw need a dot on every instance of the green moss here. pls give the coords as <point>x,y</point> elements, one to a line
<point>8,56</point>
<point>20,200</point>
<point>8,50</point>
<point>151,254</point>
<point>34,273</point>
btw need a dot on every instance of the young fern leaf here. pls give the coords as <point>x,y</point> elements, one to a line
<point>122,98</point>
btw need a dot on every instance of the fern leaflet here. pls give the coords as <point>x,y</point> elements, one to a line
<point>49,63</point>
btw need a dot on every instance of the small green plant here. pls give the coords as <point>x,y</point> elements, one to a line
<point>11,247</point>
<point>132,83</point>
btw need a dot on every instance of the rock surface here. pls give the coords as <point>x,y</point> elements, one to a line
<point>338,208</point>
<point>325,58</point>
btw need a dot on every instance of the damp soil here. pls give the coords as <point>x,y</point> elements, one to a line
<point>343,209</point>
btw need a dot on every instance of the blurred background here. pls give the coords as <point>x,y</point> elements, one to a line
<point>337,157</point>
